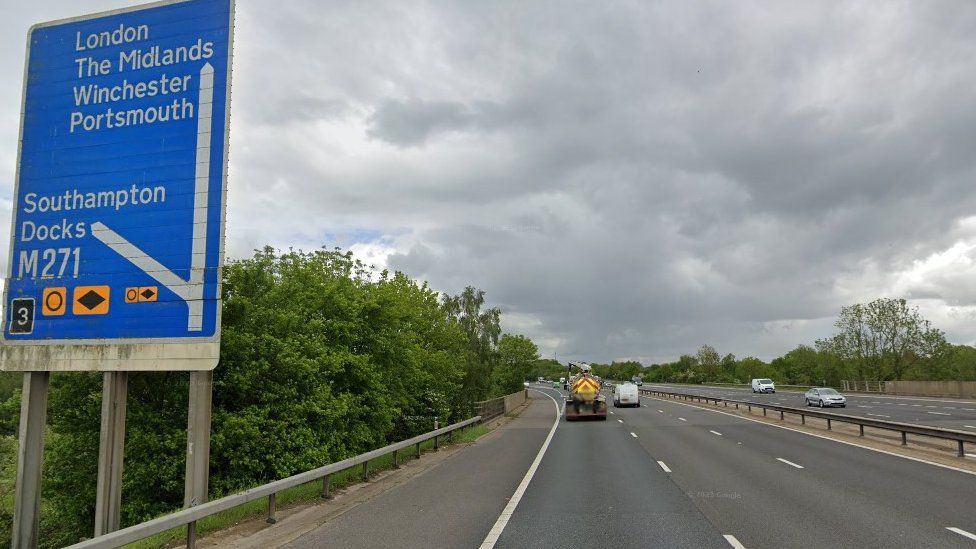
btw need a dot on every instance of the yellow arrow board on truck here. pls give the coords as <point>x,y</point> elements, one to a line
<point>586,387</point>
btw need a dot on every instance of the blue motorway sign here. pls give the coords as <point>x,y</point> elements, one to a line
<point>117,231</point>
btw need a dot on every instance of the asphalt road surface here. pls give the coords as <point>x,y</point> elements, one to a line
<point>946,413</point>
<point>665,475</point>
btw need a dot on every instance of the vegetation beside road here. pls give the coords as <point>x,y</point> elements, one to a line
<point>878,341</point>
<point>322,358</point>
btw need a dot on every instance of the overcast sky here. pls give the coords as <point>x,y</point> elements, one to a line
<point>624,179</point>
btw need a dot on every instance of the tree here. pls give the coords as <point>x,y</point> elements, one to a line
<point>516,358</point>
<point>797,366</point>
<point>708,362</point>
<point>751,368</point>
<point>482,328</point>
<point>883,338</point>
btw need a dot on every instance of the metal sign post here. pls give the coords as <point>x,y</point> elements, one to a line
<point>30,458</point>
<point>118,217</point>
<point>111,446</point>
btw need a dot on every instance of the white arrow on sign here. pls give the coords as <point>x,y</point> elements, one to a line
<point>190,291</point>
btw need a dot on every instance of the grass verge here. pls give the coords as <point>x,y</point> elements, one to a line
<point>298,494</point>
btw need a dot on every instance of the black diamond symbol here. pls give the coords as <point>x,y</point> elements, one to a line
<point>147,293</point>
<point>91,300</point>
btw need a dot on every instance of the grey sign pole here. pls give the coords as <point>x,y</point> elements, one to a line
<point>30,457</point>
<point>198,438</point>
<point>111,452</point>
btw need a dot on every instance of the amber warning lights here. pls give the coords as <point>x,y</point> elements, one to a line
<point>141,294</point>
<point>90,300</point>
<point>54,301</point>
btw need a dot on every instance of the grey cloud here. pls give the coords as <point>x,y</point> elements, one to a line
<point>639,178</point>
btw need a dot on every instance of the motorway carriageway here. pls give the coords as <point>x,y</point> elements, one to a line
<point>936,412</point>
<point>666,474</point>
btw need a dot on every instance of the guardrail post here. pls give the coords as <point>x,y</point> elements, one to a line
<point>862,431</point>
<point>436,427</point>
<point>396,462</point>
<point>418,450</point>
<point>750,408</point>
<point>326,484</point>
<point>736,405</point>
<point>764,411</point>
<point>191,535</point>
<point>904,438</point>
<point>962,450</point>
<point>366,471</point>
<point>271,509</point>
<point>828,424</point>
<point>803,419</point>
<point>781,415</point>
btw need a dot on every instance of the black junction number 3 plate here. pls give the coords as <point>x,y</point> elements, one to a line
<point>22,315</point>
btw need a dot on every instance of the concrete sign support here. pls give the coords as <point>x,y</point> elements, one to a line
<point>111,446</point>
<point>117,232</point>
<point>27,495</point>
<point>198,439</point>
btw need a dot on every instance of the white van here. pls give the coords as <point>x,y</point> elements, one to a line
<point>626,394</point>
<point>763,385</point>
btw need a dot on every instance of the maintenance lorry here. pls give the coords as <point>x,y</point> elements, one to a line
<point>584,400</point>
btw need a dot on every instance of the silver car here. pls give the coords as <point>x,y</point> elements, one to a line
<point>825,396</point>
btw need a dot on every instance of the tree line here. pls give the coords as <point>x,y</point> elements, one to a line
<point>883,340</point>
<point>322,358</point>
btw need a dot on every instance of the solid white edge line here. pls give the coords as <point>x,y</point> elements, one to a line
<point>788,462</point>
<point>664,466</point>
<point>961,532</point>
<point>499,526</point>
<point>733,542</point>
<point>632,434</point>
<point>880,451</point>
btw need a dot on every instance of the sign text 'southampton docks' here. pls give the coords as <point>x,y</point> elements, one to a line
<point>117,230</point>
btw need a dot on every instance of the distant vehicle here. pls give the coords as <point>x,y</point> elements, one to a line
<point>636,380</point>
<point>555,384</point>
<point>825,397</point>
<point>526,383</point>
<point>626,394</point>
<point>763,385</point>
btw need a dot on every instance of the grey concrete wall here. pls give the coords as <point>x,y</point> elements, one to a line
<point>960,389</point>
<point>515,400</point>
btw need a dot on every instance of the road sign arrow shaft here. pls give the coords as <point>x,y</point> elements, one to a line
<point>190,291</point>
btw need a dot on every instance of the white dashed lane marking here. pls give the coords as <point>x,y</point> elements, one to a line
<point>790,463</point>
<point>715,432</point>
<point>961,532</point>
<point>633,435</point>
<point>733,542</point>
<point>664,466</point>
<point>682,419</point>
